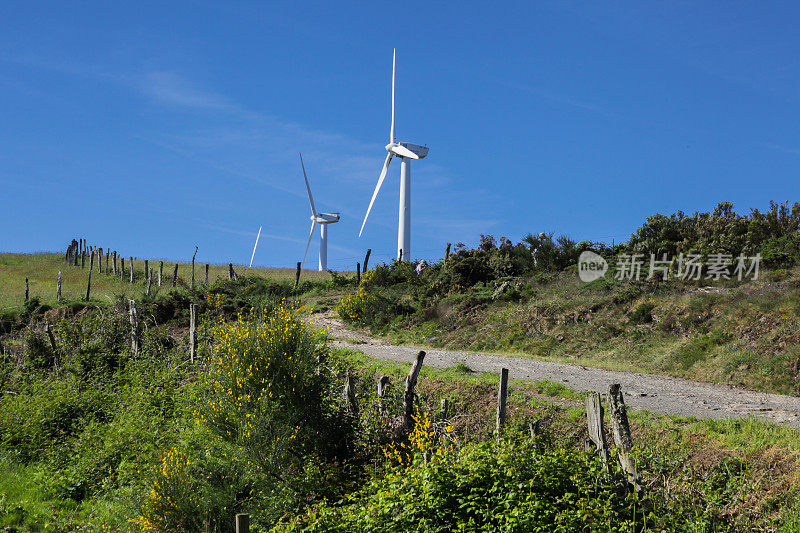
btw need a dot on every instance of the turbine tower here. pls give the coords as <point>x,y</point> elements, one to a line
<point>406,152</point>
<point>323,219</point>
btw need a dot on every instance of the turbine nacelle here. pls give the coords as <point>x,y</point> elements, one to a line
<point>325,218</point>
<point>410,150</point>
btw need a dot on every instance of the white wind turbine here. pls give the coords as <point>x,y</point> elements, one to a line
<point>406,152</point>
<point>323,219</point>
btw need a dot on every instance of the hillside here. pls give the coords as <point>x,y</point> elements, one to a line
<point>527,299</point>
<point>98,433</point>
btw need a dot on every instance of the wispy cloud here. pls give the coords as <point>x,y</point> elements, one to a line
<point>559,98</point>
<point>781,148</point>
<point>172,89</point>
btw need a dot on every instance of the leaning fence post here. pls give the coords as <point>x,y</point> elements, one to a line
<point>192,331</point>
<point>366,259</point>
<point>622,436</point>
<point>594,420</point>
<point>58,287</point>
<point>502,394</point>
<point>134,328</point>
<point>160,271</point>
<point>243,523</point>
<point>297,276</point>
<point>408,393</point>
<point>89,284</point>
<point>193,256</point>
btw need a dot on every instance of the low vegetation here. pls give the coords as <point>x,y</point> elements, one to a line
<point>526,299</point>
<point>96,435</point>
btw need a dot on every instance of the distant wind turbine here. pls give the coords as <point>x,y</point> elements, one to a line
<point>254,247</point>
<point>406,152</point>
<point>323,219</point>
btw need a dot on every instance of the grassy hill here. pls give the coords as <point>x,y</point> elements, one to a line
<point>739,333</point>
<point>95,436</point>
<point>42,273</point>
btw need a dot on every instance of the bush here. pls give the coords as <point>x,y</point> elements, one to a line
<point>489,486</point>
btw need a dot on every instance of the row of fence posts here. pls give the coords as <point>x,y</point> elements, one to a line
<point>78,250</point>
<point>596,441</point>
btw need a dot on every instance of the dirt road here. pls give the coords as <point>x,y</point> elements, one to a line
<point>657,394</point>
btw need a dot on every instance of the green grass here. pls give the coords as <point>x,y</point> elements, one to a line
<point>42,273</point>
<point>737,333</point>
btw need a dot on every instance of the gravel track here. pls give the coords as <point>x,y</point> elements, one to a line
<point>648,392</point>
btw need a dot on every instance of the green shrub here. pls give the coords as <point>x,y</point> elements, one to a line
<point>489,486</point>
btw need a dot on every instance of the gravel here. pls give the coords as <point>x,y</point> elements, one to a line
<point>648,392</point>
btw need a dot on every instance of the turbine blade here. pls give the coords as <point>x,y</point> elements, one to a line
<point>377,188</point>
<point>310,236</point>
<point>256,246</point>
<point>308,188</point>
<point>392,135</point>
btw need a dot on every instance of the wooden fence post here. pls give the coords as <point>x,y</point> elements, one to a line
<point>89,284</point>
<point>231,271</point>
<point>146,268</point>
<point>206,273</point>
<point>192,331</point>
<point>447,252</point>
<point>594,420</point>
<point>444,405</point>
<point>400,258</point>
<point>350,396</point>
<point>358,273</point>
<point>122,268</point>
<point>408,393</point>
<point>175,275</point>
<point>83,258</point>
<point>193,256</point>
<point>99,260</point>
<point>134,328</point>
<point>297,276</point>
<point>622,437</point>
<point>149,281</point>
<point>58,288</point>
<point>131,261</point>
<point>502,394</point>
<point>49,330</point>
<point>108,256</point>
<point>242,523</point>
<point>27,290</point>
<point>115,262</point>
<point>366,259</point>
<point>160,272</point>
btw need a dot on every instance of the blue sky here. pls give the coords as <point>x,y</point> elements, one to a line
<point>151,127</point>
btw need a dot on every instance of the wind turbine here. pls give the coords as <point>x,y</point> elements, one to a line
<point>406,152</point>
<point>323,219</point>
